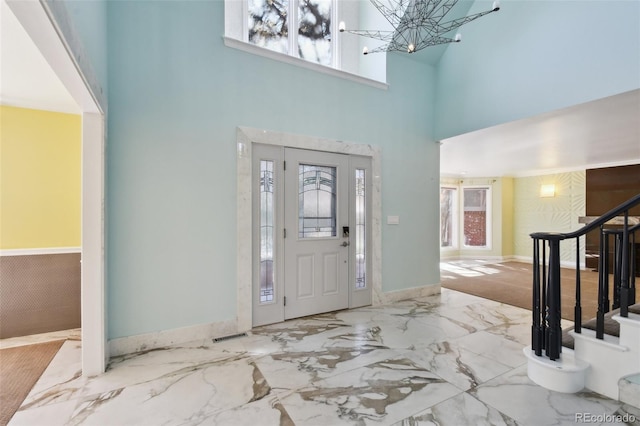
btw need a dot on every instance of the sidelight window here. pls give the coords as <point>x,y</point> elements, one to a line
<point>361,223</point>
<point>267,227</point>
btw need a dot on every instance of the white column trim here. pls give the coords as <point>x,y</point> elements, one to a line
<point>47,33</point>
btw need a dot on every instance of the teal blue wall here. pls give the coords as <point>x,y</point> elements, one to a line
<point>176,96</point>
<point>536,56</point>
<point>90,20</point>
<point>83,25</point>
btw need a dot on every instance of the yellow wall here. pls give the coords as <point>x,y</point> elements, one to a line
<point>40,179</point>
<point>507,216</point>
<point>557,214</point>
<point>518,211</point>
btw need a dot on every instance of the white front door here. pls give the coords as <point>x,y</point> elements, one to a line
<point>323,263</point>
<point>316,236</point>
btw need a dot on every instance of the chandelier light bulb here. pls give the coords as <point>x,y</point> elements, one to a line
<point>496,6</point>
<point>365,50</point>
<point>458,38</point>
<point>411,48</point>
<point>342,26</point>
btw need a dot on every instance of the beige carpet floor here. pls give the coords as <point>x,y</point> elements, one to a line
<point>512,283</point>
<point>20,369</point>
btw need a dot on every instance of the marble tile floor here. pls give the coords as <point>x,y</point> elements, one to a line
<point>447,359</point>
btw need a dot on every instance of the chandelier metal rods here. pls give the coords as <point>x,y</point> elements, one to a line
<point>417,24</point>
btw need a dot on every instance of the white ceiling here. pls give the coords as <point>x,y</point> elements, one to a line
<point>596,134</point>
<point>26,79</point>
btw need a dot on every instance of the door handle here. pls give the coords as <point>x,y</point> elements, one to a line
<point>345,243</point>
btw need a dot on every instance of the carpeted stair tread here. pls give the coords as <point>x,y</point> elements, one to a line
<point>611,326</point>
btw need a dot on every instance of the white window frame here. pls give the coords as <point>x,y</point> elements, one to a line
<point>455,222</point>
<point>294,9</point>
<point>489,217</point>
<point>349,63</point>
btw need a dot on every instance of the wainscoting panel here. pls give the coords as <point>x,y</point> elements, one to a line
<point>39,293</point>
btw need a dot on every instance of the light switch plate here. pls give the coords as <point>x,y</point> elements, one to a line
<point>393,220</point>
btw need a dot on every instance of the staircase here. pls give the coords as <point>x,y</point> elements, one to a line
<point>601,355</point>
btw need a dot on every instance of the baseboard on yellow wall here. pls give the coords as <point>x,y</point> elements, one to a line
<point>491,259</point>
<point>36,251</point>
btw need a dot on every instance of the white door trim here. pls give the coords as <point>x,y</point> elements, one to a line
<point>35,17</point>
<point>245,137</point>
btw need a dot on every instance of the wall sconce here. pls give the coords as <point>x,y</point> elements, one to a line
<point>548,190</point>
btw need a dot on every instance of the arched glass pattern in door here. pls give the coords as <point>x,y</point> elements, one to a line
<point>316,201</point>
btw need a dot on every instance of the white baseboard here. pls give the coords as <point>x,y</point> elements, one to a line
<point>563,263</point>
<point>492,259</point>
<point>160,339</point>
<point>176,336</point>
<point>409,293</point>
<point>36,251</point>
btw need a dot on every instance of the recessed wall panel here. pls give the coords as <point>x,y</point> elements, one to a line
<point>305,284</point>
<point>330,273</point>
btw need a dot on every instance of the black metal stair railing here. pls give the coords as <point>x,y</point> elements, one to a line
<point>546,331</point>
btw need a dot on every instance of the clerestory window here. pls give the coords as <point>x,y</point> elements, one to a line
<point>305,33</point>
<point>301,28</point>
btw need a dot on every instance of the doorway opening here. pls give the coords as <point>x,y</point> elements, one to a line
<point>313,163</point>
<point>39,21</point>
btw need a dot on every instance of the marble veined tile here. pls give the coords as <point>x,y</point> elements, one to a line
<point>445,359</point>
<point>495,347</point>
<point>379,393</point>
<point>146,366</point>
<point>179,397</point>
<point>408,332</point>
<point>292,370</point>
<point>305,332</point>
<point>485,315</point>
<point>61,381</point>
<point>457,365</point>
<point>515,395</point>
<point>266,411</point>
<point>462,409</point>
<point>52,414</point>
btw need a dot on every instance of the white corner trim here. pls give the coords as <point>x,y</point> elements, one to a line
<point>36,251</point>
<point>292,60</point>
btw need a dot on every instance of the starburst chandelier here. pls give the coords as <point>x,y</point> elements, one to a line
<point>417,24</point>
